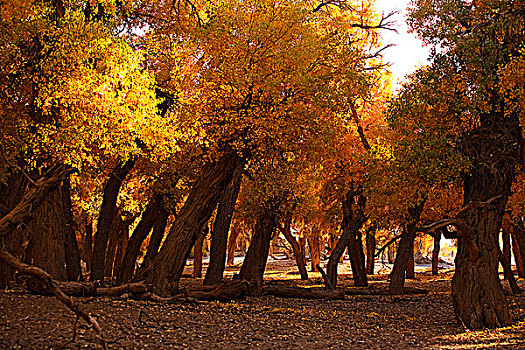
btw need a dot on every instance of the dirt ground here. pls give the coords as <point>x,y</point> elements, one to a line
<point>423,321</point>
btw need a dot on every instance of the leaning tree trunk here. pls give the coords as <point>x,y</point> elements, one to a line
<point>73,269</point>
<point>410,269</point>
<point>298,252</point>
<point>137,238</point>
<point>10,194</point>
<point>370,238</point>
<point>167,267</point>
<point>357,259</point>
<point>232,245</point>
<point>106,216</point>
<point>159,229</point>
<point>405,250</point>
<point>518,238</point>
<point>252,269</point>
<point>353,220</point>
<point>477,294</point>
<point>221,227</point>
<point>197,253</point>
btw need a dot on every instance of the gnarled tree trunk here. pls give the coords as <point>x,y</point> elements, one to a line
<point>159,229</point>
<point>353,220</point>
<point>516,250</point>
<point>221,227</point>
<point>106,216</point>
<point>405,251</point>
<point>298,252</point>
<point>168,265</point>
<point>477,294</point>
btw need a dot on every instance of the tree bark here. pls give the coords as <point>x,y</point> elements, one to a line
<point>477,294</point>
<point>47,242</point>
<point>252,269</point>
<point>73,269</point>
<point>87,248</point>
<point>405,251</point>
<point>353,220</point>
<point>106,216</point>
<point>518,228</point>
<point>221,227</point>
<point>299,253</point>
<point>410,273</point>
<point>507,271</point>
<point>505,237</point>
<point>168,265</point>
<point>232,245</point>
<point>315,250</point>
<point>197,253</point>
<point>370,249</point>
<point>435,253</point>
<point>159,230</point>
<point>357,259</point>
<point>137,238</point>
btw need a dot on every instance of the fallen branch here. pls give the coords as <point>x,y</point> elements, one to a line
<point>52,286</point>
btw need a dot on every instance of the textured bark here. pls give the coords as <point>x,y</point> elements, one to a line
<point>73,269</point>
<point>197,253</point>
<point>232,245</point>
<point>357,260</point>
<point>516,250</point>
<point>221,227</point>
<point>314,242</point>
<point>137,238</point>
<point>298,251</point>
<point>507,271</point>
<point>252,269</point>
<point>122,243</point>
<point>435,253</point>
<point>405,251</point>
<point>477,294</point>
<point>106,216</point>
<point>168,265</point>
<point>159,229</point>
<point>47,238</point>
<point>111,249</point>
<point>10,194</point>
<point>505,237</point>
<point>353,220</point>
<point>410,273</point>
<point>370,249</point>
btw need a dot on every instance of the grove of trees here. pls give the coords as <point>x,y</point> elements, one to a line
<point>172,120</point>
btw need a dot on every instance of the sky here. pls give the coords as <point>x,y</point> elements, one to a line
<point>409,52</point>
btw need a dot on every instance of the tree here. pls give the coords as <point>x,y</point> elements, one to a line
<point>478,37</point>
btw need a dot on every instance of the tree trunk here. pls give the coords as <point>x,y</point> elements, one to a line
<point>114,233</point>
<point>73,269</point>
<point>505,237</point>
<point>47,236</point>
<point>518,228</point>
<point>315,250</point>
<point>410,273</point>
<point>232,245</point>
<point>507,272</point>
<point>353,219</point>
<point>297,251</point>
<point>405,251</point>
<point>106,216</point>
<point>197,253</point>
<point>137,238</point>
<point>252,269</point>
<point>221,227</point>
<point>87,249</point>
<point>477,294</point>
<point>122,243</point>
<point>516,250</point>
<point>370,249</point>
<point>159,230</point>
<point>168,265</point>
<point>10,194</point>
<point>435,253</point>
<point>357,259</point>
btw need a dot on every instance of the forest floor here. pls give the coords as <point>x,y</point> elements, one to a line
<point>424,321</point>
